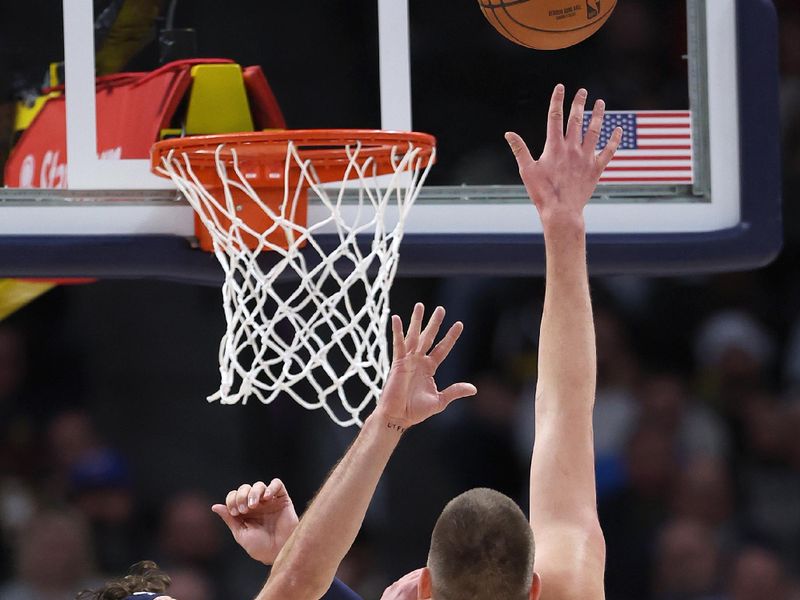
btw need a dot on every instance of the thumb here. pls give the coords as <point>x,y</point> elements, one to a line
<point>456,391</point>
<point>520,149</point>
<point>230,521</point>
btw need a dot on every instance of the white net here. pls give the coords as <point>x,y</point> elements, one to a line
<point>308,320</point>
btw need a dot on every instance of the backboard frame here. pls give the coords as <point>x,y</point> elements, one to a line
<point>753,237</point>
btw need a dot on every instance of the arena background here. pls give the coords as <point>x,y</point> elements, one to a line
<point>109,453</point>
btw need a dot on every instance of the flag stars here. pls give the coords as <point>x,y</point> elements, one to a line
<point>613,120</point>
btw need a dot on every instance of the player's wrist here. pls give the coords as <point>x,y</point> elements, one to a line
<point>388,424</point>
<point>563,220</point>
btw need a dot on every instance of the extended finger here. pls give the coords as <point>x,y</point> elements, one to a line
<point>398,339</point>
<point>412,339</point>
<point>555,116</point>
<point>431,330</point>
<point>443,348</point>
<point>230,502</point>
<point>520,150</point>
<point>611,148</point>
<point>256,493</point>
<point>241,497</point>
<point>456,391</point>
<point>595,125</point>
<point>575,123</point>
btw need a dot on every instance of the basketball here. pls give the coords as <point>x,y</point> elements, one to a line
<point>547,24</point>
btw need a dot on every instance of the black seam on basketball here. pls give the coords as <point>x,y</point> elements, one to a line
<point>502,4</point>
<point>556,31</point>
<point>500,25</point>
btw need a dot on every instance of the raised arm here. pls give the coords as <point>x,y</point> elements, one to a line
<point>570,550</point>
<point>306,566</point>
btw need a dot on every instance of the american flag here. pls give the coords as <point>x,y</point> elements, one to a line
<point>656,147</point>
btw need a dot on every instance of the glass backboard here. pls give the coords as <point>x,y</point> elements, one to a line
<point>696,189</point>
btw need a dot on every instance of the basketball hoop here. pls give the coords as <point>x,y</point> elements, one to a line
<point>326,329</point>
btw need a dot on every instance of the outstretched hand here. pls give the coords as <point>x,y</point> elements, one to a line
<point>410,395</point>
<point>261,518</point>
<point>566,174</point>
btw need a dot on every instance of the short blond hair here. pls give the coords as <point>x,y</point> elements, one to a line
<point>481,548</point>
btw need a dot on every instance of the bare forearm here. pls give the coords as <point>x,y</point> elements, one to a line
<point>567,361</point>
<point>562,469</point>
<point>307,564</point>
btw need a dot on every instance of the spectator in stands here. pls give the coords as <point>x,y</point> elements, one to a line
<point>704,493</point>
<point>70,438</point>
<point>664,402</point>
<point>53,559</point>
<point>734,354</point>
<point>757,573</point>
<point>189,538</point>
<point>770,481</point>
<point>617,376</point>
<point>481,439</point>
<point>100,486</point>
<point>189,534</point>
<point>687,563</point>
<point>633,515</point>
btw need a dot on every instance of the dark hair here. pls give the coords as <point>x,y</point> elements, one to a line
<point>481,547</point>
<point>144,576</point>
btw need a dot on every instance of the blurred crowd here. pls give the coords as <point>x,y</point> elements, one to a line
<point>106,458</point>
<point>696,431</point>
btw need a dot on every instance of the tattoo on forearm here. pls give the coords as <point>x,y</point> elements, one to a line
<point>395,427</point>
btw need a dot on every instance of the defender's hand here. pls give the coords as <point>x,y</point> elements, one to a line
<point>561,182</point>
<point>405,588</point>
<point>260,517</point>
<point>410,395</point>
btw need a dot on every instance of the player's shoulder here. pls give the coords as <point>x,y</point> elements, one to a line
<point>554,590</point>
<point>571,563</point>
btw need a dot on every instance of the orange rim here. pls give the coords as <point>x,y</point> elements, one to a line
<point>325,148</point>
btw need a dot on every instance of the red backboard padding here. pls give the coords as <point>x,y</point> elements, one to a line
<point>132,109</point>
<point>263,104</point>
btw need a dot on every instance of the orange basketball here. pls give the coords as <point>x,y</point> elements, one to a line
<point>547,24</point>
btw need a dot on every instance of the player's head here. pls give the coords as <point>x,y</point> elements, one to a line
<point>144,581</point>
<point>481,547</point>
